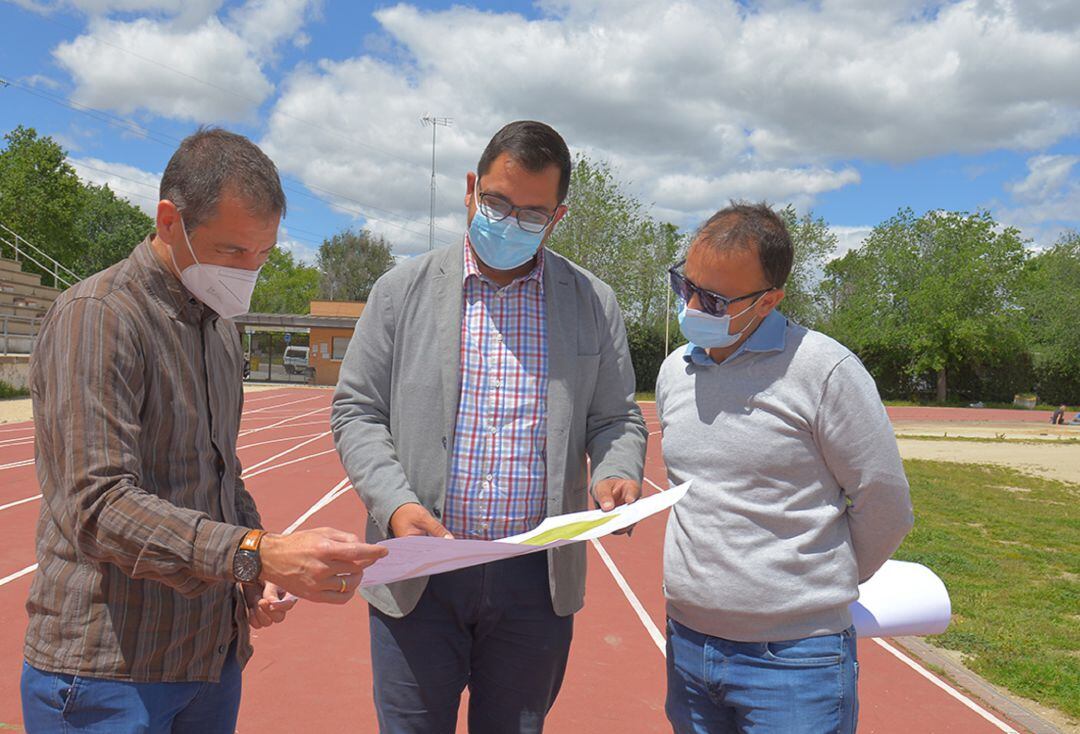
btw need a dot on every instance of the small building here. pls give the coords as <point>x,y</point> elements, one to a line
<point>328,340</point>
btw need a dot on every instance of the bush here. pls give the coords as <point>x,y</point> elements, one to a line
<point>646,344</point>
<point>7,391</point>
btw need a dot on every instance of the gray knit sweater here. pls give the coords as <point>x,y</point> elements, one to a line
<point>798,489</point>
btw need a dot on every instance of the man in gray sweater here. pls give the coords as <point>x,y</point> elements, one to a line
<point>798,494</point>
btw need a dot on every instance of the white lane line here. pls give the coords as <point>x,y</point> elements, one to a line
<point>655,433</point>
<point>16,503</point>
<point>339,489</point>
<point>310,423</point>
<point>946,687</point>
<point>17,441</point>
<point>28,426</point>
<point>283,421</point>
<point>285,463</point>
<point>249,471</point>
<point>631,597</point>
<point>18,574</point>
<point>16,464</point>
<point>274,440</point>
<point>282,405</point>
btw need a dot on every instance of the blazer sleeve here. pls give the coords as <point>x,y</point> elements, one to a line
<point>360,413</point>
<point>616,435</point>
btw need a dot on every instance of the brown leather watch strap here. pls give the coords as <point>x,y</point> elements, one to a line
<point>252,540</point>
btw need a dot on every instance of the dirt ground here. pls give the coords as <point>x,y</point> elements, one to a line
<point>1039,449</point>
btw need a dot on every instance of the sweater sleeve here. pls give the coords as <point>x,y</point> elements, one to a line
<point>859,447</point>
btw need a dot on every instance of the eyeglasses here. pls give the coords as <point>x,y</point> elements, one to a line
<point>496,208</point>
<point>713,304</point>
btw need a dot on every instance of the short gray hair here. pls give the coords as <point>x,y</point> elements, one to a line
<point>211,160</point>
<point>746,226</point>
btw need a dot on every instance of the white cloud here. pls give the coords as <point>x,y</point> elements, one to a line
<point>1046,202</point>
<point>164,74</point>
<point>128,182</point>
<point>694,101</point>
<point>194,66</point>
<point>849,238</point>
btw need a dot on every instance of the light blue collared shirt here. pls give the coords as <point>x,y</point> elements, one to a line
<point>769,337</point>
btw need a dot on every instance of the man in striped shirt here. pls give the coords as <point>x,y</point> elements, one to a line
<point>480,379</point>
<point>152,560</point>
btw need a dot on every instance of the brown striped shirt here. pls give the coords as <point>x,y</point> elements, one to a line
<point>137,394</point>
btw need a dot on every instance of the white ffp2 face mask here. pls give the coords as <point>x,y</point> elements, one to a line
<point>226,290</point>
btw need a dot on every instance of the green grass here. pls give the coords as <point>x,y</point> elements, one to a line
<point>645,396</point>
<point>1007,546</point>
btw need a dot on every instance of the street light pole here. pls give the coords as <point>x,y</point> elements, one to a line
<point>435,122</point>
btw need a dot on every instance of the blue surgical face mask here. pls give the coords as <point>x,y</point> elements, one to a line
<point>502,245</point>
<point>707,331</point>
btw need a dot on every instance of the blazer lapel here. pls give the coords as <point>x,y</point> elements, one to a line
<point>448,298</point>
<point>562,309</point>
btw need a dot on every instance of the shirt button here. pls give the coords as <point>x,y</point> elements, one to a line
<point>485,484</point>
<point>498,382</point>
<point>221,649</point>
<point>499,338</point>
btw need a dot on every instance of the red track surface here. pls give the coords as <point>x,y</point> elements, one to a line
<point>312,674</point>
<point>968,415</point>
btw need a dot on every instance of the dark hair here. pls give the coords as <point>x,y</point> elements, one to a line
<point>532,144</point>
<point>752,226</point>
<point>211,160</point>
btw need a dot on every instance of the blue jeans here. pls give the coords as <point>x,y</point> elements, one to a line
<point>806,686</point>
<point>55,703</point>
<point>489,627</point>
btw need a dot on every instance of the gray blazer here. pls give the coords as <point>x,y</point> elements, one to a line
<point>395,407</point>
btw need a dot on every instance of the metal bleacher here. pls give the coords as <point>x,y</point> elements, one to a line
<point>24,299</point>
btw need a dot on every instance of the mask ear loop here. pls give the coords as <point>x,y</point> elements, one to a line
<point>187,242</point>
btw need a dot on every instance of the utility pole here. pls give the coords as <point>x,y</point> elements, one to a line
<point>435,122</point>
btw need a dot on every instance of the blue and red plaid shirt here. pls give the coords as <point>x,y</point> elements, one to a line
<point>498,474</point>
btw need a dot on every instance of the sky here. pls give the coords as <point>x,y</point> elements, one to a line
<point>849,109</point>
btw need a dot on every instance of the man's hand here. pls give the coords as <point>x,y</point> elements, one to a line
<point>323,565</point>
<point>414,519</point>
<point>612,492</point>
<point>266,604</point>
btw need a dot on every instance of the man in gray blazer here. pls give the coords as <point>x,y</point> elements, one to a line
<point>480,380</point>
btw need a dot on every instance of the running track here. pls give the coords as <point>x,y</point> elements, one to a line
<point>312,674</point>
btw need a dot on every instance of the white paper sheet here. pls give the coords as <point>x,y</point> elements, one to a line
<point>901,599</point>
<point>422,555</point>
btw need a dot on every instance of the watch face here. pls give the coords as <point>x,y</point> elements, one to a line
<point>246,566</point>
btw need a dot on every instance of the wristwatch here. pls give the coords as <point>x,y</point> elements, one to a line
<point>247,565</point>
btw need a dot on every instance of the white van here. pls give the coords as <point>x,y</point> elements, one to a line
<point>296,360</point>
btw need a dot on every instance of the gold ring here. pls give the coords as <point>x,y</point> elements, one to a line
<point>344,585</point>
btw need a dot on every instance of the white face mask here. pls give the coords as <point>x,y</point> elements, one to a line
<point>226,290</point>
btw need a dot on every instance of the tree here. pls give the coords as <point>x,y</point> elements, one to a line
<point>83,226</point>
<point>350,262</point>
<point>607,231</point>
<point>41,197</point>
<point>814,243</point>
<point>285,285</point>
<point>929,294</point>
<point>108,227</point>
<point>1051,300</point>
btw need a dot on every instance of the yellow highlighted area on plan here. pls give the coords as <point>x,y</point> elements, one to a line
<point>565,532</point>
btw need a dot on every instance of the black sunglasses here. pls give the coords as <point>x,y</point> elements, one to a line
<point>713,304</point>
